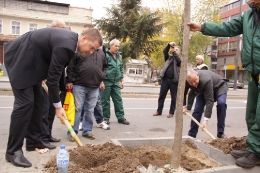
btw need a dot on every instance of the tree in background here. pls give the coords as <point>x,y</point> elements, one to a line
<point>134,26</point>
<point>143,34</point>
<point>202,11</point>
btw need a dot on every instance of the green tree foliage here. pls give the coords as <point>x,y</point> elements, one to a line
<point>134,26</point>
<point>201,11</point>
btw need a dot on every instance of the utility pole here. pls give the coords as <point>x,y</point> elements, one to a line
<point>237,52</point>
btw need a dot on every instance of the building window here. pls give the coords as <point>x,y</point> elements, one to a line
<point>32,26</point>
<point>213,59</point>
<point>132,71</point>
<point>222,38</point>
<point>222,47</point>
<point>15,27</point>
<point>224,8</point>
<point>233,46</point>
<point>235,16</point>
<point>213,66</point>
<point>1,26</point>
<point>135,71</point>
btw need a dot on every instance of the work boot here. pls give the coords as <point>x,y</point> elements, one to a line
<point>248,161</point>
<point>221,135</point>
<point>123,121</point>
<point>237,153</point>
<point>157,114</point>
<point>89,136</point>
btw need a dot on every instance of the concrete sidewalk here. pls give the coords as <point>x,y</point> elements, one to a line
<point>5,89</point>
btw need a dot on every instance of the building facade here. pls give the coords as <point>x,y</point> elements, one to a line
<point>20,16</point>
<point>224,49</point>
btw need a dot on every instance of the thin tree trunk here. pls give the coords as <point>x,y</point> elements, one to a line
<point>176,156</point>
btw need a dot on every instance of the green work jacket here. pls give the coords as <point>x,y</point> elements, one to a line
<point>115,68</point>
<point>244,24</point>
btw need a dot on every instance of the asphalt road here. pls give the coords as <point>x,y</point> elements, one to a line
<point>142,124</point>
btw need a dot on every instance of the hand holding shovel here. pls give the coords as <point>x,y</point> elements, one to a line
<point>62,116</point>
<point>200,125</point>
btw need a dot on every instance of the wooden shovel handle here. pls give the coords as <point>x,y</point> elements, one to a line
<point>72,132</point>
<point>205,130</point>
<point>66,122</point>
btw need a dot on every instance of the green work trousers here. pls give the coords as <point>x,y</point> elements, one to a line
<point>114,91</point>
<point>253,114</point>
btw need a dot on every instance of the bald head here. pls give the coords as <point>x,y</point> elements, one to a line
<point>58,23</point>
<point>192,78</point>
<point>88,26</point>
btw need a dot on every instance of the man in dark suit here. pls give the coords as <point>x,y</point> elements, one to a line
<point>29,59</point>
<point>211,88</point>
<point>48,108</point>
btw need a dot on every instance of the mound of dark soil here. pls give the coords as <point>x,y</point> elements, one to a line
<point>229,144</point>
<point>110,158</point>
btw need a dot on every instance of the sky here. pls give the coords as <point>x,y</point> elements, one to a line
<point>98,5</point>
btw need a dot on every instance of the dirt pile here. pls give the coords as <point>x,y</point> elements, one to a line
<point>110,158</point>
<point>229,144</point>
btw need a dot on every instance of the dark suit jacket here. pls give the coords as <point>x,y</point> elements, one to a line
<point>40,54</point>
<point>211,85</point>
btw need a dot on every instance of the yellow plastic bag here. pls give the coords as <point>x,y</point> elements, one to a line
<point>69,107</point>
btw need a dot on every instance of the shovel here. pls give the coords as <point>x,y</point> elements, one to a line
<point>205,130</point>
<point>72,132</point>
<point>66,122</point>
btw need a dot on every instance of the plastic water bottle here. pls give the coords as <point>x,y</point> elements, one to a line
<point>63,159</point>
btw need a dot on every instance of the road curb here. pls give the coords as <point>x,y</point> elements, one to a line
<point>9,92</point>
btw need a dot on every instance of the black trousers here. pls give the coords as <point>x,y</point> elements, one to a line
<point>47,118</point>
<point>167,85</point>
<point>26,117</point>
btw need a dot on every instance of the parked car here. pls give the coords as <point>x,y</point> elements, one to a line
<point>239,84</point>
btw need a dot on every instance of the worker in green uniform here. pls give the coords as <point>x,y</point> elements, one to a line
<point>113,84</point>
<point>248,25</point>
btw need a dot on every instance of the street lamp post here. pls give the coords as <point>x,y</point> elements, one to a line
<point>225,68</point>
<point>237,52</point>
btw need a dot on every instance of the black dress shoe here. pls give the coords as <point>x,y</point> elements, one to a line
<point>18,159</point>
<point>221,135</point>
<point>39,146</point>
<point>49,146</point>
<point>52,139</point>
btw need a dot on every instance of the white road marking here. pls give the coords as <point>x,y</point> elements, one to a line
<point>141,108</point>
